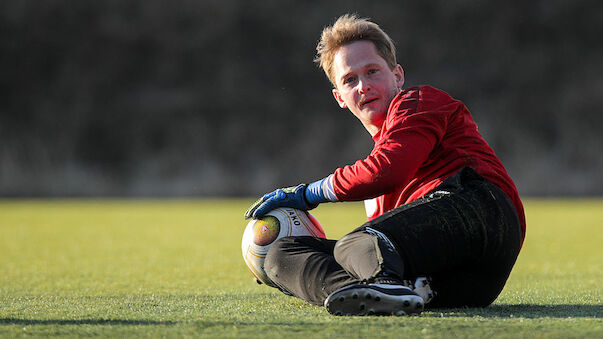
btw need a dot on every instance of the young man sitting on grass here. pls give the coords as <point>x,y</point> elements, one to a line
<point>445,220</point>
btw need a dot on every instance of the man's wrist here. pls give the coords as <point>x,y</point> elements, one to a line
<point>320,191</point>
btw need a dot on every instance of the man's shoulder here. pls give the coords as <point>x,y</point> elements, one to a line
<point>427,93</point>
<point>418,98</point>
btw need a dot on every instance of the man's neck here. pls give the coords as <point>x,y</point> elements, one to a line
<point>373,130</point>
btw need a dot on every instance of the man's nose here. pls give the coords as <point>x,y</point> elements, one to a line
<point>363,86</point>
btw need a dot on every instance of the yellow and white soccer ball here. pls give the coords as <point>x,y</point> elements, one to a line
<point>260,234</point>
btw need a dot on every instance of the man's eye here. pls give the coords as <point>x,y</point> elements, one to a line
<point>372,71</point>
<point>349,80</point>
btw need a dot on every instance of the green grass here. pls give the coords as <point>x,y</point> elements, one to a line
<point>174,268</point>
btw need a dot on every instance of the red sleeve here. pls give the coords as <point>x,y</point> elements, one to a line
<point>416,122</point>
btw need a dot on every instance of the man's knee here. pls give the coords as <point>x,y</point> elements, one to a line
<point>352,245</point>
<point>367,254</point>
<point>358,253</point>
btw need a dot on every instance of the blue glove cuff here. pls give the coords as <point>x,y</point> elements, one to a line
<point>320,191</point>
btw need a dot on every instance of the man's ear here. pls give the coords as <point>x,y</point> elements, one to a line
<point>337,96</point>
<point>399,74</point>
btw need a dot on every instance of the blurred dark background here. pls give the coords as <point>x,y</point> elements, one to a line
<point>221,98</point>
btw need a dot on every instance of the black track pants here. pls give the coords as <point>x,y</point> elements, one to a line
<point>465,235</point>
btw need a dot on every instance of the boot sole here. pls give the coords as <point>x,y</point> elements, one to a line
<point>364,300</point>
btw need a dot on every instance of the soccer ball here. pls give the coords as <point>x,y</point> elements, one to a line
<point>260,234</point>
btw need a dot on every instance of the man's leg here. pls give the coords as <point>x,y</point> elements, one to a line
<point>305,267</point>
<point>466,238</point>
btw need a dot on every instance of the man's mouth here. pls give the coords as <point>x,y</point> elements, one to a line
<point>367,101</point>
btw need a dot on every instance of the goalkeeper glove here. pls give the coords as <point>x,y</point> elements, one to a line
<point>302,197</point>
<point>283,197</point>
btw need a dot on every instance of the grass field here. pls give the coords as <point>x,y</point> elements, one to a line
<point>174,268</point>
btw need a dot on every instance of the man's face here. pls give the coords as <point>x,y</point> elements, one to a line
<point>364,83</point>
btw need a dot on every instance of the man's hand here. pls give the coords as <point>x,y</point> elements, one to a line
<point>294,197</point>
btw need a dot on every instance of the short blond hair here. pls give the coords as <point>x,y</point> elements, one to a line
<point>347,29</point>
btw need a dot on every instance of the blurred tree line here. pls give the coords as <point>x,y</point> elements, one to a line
<point>221,98</point>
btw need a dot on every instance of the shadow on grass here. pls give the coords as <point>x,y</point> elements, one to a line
<point>25,322</point>
<point>522,311</point>
<point>530,311</point>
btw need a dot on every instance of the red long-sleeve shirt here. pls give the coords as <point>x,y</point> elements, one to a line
<point>427,136</point>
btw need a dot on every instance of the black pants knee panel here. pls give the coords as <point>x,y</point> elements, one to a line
<point>359,254</point>
<point>366,255</point>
